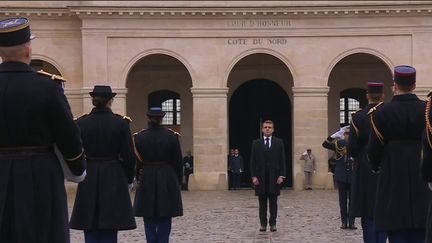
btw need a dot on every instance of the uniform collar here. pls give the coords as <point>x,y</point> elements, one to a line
<point>405,97</point>
<point>101,110</point>
<point>15,66</point>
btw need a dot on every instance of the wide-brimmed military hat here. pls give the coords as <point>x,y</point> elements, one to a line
<point>15,31</point>
<point>155,112</point>
<point>404,75</point>
<point>102,91</point>
<point>375,87</point>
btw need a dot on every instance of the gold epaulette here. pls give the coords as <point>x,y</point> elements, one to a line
<point>375,108</point>
<point>52,76</point>
<point>83,115</point>
<point>176,133</point>
<point>128,119</point>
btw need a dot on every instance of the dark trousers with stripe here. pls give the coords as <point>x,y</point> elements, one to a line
<point>370,235</point>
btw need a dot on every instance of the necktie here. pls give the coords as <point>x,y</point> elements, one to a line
<point>267,144</point>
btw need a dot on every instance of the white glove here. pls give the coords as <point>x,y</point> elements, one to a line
<point>430,185</point>
<point>340,133</point>
<point>131,186</point>
<point>77,179</point>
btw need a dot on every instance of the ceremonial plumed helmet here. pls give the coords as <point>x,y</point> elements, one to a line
<point>14,31</point>
<point>404,75</point>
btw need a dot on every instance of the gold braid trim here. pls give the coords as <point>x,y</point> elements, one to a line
<point>377,132</point>
<point>428,122</point>
<point>341,152</point>
<point>136,150</point>
<point>355,128</point>
<point>75,158</point>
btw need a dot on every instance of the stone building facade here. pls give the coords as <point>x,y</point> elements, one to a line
<point>222,67</point>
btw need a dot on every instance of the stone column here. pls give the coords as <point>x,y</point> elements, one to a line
<point>210,139</point>
<point>310,130</point>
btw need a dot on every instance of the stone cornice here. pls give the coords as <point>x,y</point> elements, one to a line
<point>229,11</point>
<point>311,91</point>
<point>209,92</point>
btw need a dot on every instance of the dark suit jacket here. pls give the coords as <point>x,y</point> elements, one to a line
<point>272,160</point>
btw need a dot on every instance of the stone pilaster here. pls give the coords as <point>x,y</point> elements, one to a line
<point>310,130</point>
<point>210,139</point>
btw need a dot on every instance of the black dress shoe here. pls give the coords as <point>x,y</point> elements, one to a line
<point>273,228</point>
<point>263,228</point>
<point>344,226</point>
<point>352,227</point>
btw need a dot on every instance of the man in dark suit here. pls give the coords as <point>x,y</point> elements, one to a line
<point>267,166</point>
<point>236,167</point>
<point>34,115</point>
<point>343,174</point>
<point>102,203</point>
<point>394,150</point>
<point>160,173</point>
<point>364,182</point>
<point>188,163</point>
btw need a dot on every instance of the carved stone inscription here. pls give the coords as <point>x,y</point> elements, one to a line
<point>256,41</point>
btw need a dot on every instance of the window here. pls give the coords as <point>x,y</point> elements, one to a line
<point>172,110</point>
<point>346,107</point>
<point>170,103</point>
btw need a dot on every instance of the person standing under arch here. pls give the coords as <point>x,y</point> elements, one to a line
<point>268,171</point>
<point>102,203</point>
<point>159,174</point>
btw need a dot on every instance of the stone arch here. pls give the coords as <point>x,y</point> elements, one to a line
<point>350,52</point>
<point>249,52</point>
<point>129,66</point>
<point>50,61</point>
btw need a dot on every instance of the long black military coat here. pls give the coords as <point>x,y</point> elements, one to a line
<point>427,165</point>
<point>343,168</point>
<point>394,148</point>
<point>160,160</point>
<point>102,200</point>
<point>364,181</point>
<point>271,159</point>
<point>34,112</point>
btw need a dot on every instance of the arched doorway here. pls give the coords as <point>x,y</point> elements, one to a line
<point>260,86</point>
<point>37,65</point>
<point>348,82</point>
<point>161,80</point>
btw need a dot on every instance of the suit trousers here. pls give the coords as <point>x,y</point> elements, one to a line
<point>308,177</point>
<point>272,199</point>
<point>344,190</point>
<point>157,229</point>
<point>100,236</point>
<point>370,235</point>
<point>407,236</point>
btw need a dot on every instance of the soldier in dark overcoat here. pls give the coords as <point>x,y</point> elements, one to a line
<point>394,150</point>
<point>34,115</point>
<point>427,162</point>
<point>102,204</point>
<point>343,176</point>
<point>159,175</point>
<point>268,171</point>
<point>364,181</point>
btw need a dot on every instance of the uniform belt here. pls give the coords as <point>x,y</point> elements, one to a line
<point>27,150</point>
<point>155,163</point>
<point>97,159</point>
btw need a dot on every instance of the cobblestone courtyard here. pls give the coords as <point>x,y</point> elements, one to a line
<point>232,216</point>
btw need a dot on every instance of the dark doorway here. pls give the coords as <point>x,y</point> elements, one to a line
<point>252,103</point>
